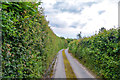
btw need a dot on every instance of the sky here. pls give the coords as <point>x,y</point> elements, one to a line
<point>68,17</point>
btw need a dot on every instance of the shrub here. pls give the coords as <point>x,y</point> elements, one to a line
<point>101,53</point>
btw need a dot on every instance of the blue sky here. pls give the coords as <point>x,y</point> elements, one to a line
<point>68,17</point>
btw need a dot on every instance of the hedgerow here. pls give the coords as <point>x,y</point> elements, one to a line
<point>100,53</point>
<point>28,43</point>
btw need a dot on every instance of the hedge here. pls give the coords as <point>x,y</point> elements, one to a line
<point>28,43</point>
<point>100,53</point>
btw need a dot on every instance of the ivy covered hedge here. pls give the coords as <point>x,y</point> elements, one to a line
<point>100,53</point>
<point>28,44</point>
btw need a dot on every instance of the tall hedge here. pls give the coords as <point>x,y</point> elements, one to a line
<point>28,43</point>
<point>100,53</point>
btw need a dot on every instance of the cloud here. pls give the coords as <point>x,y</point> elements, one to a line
<point>73,26</point>
<point>100,12</point>
<point>69,17</point>
<point>66,32</point>
<point>82,25</point>
<point>77,24</point>
<point>89,3</point>
<point>66,7</point>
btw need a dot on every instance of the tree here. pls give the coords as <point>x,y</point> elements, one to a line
<point>69,40</point>
<point>62,37</point>
<point>79,35</point>
<point>102,29</point>
<point>119,33</point>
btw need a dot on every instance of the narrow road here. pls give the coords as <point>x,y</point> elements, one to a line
<point>59,66</point>
<point>78,69</point>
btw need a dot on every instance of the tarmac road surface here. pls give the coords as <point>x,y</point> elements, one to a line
<point>78,69</point>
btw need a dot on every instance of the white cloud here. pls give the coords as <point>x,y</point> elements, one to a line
<point>66,32</point>
<point>108,19</point>
<point>82,14</point>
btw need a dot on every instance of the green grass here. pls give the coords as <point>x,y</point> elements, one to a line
<point>68,69</point>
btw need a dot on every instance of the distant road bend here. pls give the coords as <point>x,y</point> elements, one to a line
<point>78,69</point>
